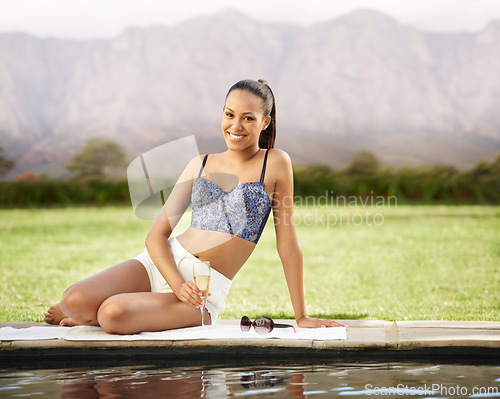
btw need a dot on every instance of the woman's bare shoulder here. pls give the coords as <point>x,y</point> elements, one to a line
<point>279,167</point>
<point>279,157</point>
<point>193,166</point>
<point>213,156</point>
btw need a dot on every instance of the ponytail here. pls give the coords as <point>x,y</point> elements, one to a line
<point>268,136</point>
<point>262,90</point>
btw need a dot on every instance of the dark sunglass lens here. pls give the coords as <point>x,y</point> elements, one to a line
<point>263,325</point>
<point>245,324</point>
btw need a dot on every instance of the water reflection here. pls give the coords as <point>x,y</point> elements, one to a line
<point>182,385</point>
<point>258,379</point>
<point>296,382</point>
<point>135,385</point>
<point>296,388</point>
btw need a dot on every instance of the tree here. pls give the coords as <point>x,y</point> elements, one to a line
<point>495,166</point>
<point>5,164</point>
<point>97,154</point>
<point>364,163</point>
<point>29,176</point>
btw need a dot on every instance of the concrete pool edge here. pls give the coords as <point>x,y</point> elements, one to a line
<point>375,337</point>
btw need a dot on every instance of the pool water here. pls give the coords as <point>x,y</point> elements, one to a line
<point>327,380</point>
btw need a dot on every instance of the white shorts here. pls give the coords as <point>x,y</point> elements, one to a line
<point>219,284</point>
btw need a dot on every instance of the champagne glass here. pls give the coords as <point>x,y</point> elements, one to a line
<point>201,275</point>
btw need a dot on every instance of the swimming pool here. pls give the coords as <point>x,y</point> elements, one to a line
<point>293,380</point>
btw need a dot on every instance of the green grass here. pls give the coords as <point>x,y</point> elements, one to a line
<point>416,262</point>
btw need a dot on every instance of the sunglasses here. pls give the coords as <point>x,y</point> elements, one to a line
<point>262,325</point>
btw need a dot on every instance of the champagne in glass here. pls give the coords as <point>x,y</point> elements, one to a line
<point>201,275</point>
<point>203,283</point>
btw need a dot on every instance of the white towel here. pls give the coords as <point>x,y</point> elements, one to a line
<point>88,333</point>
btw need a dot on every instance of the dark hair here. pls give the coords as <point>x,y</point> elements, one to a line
<point>262,90</point>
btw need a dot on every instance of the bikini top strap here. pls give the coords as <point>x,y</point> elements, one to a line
<point>203,164</point>
<point>264,167</point>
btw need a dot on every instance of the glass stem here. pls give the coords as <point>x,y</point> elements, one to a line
<point>202,314</point>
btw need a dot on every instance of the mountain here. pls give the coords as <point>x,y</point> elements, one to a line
<point>361,81</point>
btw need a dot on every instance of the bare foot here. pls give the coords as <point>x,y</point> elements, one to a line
<point>54,315</point>
<point>68,322</point>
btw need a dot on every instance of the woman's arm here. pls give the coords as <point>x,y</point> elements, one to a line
<point>157,238</point>
<point>288,245</point>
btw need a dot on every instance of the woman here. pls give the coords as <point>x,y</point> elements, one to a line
<point>155,291</point>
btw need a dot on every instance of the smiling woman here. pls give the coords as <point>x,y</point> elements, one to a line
<point>155,290</point>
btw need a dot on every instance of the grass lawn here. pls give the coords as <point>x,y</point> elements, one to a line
<point>391,263</point>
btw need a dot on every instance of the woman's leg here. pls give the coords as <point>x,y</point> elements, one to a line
<point>81,301</point>
<point>147,311</point>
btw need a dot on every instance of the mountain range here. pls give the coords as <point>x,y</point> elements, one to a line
<point>358,82</point>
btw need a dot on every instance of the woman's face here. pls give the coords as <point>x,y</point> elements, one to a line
<point>243,119</point>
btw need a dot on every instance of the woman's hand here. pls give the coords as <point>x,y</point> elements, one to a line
<point>190,293</point>
<point>313,322</point>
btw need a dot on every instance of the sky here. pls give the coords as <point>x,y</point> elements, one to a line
<point>88,19</point>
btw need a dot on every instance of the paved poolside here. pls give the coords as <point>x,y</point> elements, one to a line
<point>372,338</point>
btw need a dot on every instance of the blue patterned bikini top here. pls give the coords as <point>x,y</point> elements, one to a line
<point>243,211</point>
